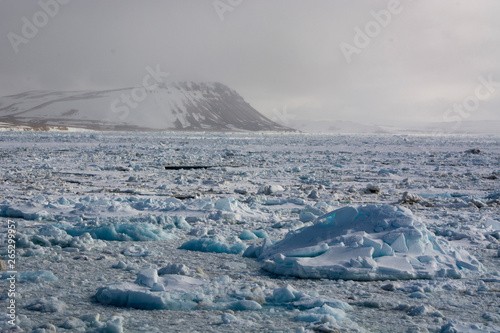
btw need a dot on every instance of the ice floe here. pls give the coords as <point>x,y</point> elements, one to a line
<point>156,289</point>
<point>372,242</point>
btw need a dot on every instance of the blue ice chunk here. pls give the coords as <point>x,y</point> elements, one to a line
<point>261,233</point>
<point>127,294</point>
<point>286,294</point>
<point>122,232</point>
<point>213,244</point>
<point>247,235</point>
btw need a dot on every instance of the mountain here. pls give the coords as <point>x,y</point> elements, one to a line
<point>184,106</point>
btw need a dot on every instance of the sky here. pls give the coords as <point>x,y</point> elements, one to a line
<point>371,61</point>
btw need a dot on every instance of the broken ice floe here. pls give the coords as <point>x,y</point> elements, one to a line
<point>370,242</point>
<point>120,231</point>
<point>154,289</point>
<point>88,208</point>
<point>32,276</point>
<point>85,236</point>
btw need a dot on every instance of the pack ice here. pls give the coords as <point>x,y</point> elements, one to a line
<point>372,242</point>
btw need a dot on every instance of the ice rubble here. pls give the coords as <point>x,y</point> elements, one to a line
<point>120,231</point>
<point>372,242</point>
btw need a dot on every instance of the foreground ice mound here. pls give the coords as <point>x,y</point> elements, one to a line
<point>151,292</point>
<point>370,242</point>
<point>159,290</point>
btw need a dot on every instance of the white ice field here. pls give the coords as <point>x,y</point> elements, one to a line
<point>276,233</point>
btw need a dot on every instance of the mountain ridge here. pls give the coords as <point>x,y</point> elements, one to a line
<point>176,106</point>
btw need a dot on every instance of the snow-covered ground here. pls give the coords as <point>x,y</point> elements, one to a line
<point>278,233</point>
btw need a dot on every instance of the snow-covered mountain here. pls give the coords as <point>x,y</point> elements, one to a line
<point>184,106</point>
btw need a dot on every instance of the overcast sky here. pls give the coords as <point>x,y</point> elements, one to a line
<point>304,58</point>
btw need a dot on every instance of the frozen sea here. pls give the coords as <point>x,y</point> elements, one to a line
<point>109,240</point>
